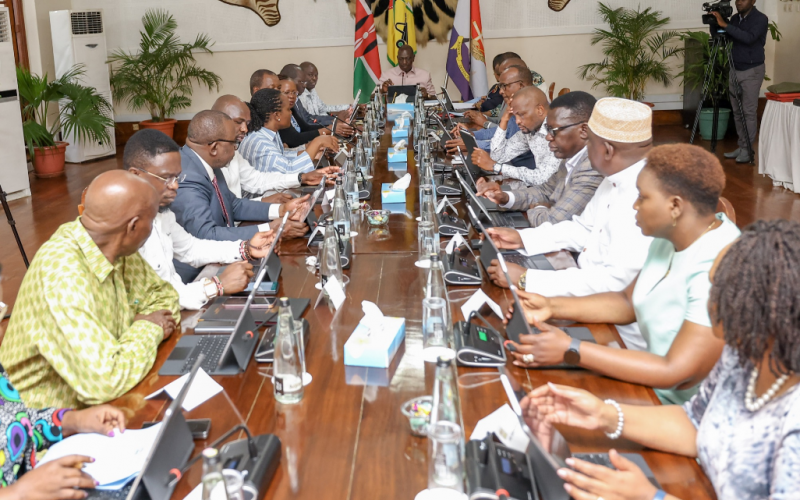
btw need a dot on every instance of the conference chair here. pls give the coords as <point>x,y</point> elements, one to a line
<point>552,89</point>
<point>724,206</point>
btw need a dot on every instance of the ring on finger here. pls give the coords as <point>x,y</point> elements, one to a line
<point>527,358</point>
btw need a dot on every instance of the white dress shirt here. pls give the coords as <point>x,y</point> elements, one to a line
<point>612,247</point>
<point>274,208</point>
<point>241,176</point>
<point>570,166</point>
<point>168,239</point>
<point>315,106</point>
<point>536,143</point>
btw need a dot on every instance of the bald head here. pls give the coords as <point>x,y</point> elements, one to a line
<point>530,109</point>
<point>237,111</point>
<point>296,74</point>
<point>212,135</point>
<point>119,212</point>
<point>511,61</point>
<point>207,126</point>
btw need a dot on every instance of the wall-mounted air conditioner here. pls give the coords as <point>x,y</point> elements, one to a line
<point>79,38</point>
<point>13,164</point>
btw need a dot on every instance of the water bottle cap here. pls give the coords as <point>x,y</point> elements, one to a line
<point>210,452</point>
<point>339,180</point>
<point>427,190</point>
<point>284,302</point>
<point>434,257</point>
<point>444,360</point>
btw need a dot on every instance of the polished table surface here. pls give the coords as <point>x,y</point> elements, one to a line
<point>348,440</point>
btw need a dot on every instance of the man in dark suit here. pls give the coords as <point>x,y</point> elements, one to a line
<point>204,206</point>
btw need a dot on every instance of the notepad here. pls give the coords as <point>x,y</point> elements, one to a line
<point>203,388</point>
<point>118,459</point>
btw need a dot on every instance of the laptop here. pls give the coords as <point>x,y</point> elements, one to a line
<point>489,253</point>
<point>518,324</point>
<point>546,462</point>
<point>516,220</point>
<point>396,90</point>
<point>451,110</point>
<point>171,451</point>
<point>470,143</point>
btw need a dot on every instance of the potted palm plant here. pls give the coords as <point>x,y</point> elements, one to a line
<point>83,114</point>
<point>637,49</point>
<point>160,76</point>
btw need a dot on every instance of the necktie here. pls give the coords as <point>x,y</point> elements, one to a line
<point>221,202</point>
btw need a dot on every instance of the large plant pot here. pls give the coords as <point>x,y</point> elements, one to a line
<point>707,119</point>
<point>49,161</point>
<point>167,126</point>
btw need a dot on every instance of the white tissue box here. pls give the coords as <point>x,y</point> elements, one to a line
<point>375,348</point>
<point>389,196</point>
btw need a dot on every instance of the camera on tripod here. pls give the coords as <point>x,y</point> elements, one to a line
<point>722,6</point>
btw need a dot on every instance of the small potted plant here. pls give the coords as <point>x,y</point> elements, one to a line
<point>637,49</point>
<point>160,76</point>
<point>83,114</point>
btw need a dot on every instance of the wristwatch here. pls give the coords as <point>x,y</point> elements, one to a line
<point>487,124</point>
<point>497,168</point>
<point>210,288</point>
<point>573,354</point>
<point>300,179</point>
<point>523,280</point>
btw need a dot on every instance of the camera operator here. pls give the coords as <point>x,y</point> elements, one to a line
<point>748,31</point>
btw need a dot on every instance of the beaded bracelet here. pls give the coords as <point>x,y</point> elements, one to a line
<point>620,422</point>
<point>244,250</point>
<point>220,290</point>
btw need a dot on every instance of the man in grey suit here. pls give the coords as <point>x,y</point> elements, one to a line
<point>204,206</point>
<point>567,191</point>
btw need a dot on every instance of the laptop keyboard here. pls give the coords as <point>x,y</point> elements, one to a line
<point>596,458</point>
<point>518,259</point>
<point>120,494</point>
<point>504,220</point>
<point>212,347</point>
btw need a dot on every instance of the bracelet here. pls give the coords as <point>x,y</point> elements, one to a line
<point>220,290</point>
<point>660,495</point>
<point>620,422</point>
<point>244,250</point>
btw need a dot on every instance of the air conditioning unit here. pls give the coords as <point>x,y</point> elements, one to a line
<point>79,38</point>
<point>13,164</point>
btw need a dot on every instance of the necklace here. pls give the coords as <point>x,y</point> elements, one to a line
<point>750,394</point>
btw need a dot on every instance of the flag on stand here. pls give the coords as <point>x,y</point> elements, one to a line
<point>466,62</point>
<point>367,65</point>
<point>400,29</point>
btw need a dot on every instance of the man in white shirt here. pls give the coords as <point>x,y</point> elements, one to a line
<point>310,99</point>
<point>611,245</point>
<point>156,158</point>
<point>530,107</point>
<point>244,180</point>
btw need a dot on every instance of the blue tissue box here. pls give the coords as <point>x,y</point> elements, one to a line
<point>365,375</point>
<point>398,134</point>
<point>401,156</point>
<point>393,110</point>
<point>389,196</point>
<point>375,348</point>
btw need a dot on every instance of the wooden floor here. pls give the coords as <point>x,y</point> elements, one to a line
<point>54,201</point>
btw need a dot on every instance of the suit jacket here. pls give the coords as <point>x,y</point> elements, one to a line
<point>564,199</point>
<point>293,138</point>
<point>312,119</point>
<point>198,211</point>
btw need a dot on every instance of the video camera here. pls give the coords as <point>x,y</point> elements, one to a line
<point>722,6</point>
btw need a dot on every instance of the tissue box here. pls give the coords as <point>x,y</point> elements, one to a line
<point>397,160</point>
<point>398,134</point>
<point>389,196</point>
<point>393,110</point>
<point>365,375</point>
<point>377,348</point>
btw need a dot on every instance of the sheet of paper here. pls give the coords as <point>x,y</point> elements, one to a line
<point>455,114</point>
<point>116,458</point>
<point>335,292</point>
<point>203,388</point>
<point>463,105</point>
<point>505,425</point>
<point>478,299</point>
<point>445,201</point>
<point>456,241</point>
<point>196,493</point>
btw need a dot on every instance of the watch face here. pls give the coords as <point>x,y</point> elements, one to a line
<point>572,357</point>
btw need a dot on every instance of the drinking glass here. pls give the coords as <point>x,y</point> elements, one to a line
<point>428,242</point>
<point>434,323</point>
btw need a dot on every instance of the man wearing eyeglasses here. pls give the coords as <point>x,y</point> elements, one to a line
<point>204,206</point>
<point>296,74</point>
<point>157,159</point>
<point>569,190</point>
<point>529,108</point>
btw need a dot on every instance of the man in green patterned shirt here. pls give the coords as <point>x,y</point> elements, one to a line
<point>91,312</point>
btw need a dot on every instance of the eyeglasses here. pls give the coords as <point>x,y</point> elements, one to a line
<point>503,86</point>
<point>553,131</point>
<point>234,142</point>
<point>167,181</point>
<point>292,93</point>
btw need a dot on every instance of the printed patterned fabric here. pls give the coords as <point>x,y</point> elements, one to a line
<point>23,432</point>
<point>72,340</point>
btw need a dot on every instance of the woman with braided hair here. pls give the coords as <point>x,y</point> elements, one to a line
<point>263,147</point>
<point>743,425</point>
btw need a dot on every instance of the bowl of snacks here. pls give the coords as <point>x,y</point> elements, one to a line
<point>378,217</point>
<point>418,412</point>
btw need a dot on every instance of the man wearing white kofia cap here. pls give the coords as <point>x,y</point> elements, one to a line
<point>611,246</point>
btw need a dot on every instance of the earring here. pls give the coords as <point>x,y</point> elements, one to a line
<point>278,118</point>
<point>674,221</point>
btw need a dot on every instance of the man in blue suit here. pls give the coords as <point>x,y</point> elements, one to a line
<point>204,206</point>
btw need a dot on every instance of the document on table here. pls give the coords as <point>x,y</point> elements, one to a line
<point>463,105</point>
<point>203,388</point>
<point>118,459</point>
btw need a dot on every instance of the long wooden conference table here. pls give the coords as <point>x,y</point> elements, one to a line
<point>348,440</point>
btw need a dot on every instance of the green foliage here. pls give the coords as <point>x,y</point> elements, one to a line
<point>82,112</point>
<point>160,75</point>
<point>634,52</point>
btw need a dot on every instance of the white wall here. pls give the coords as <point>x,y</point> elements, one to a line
<point>787,52</point>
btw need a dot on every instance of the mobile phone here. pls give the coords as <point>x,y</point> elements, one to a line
<point>199,427</point>
<point>258,303</point>
<point>265,288</point>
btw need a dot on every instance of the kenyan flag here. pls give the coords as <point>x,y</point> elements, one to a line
<point>367,65</point>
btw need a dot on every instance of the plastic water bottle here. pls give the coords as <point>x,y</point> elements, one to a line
<point>287,377</point>
<point>341,212</point>
<point>212,472</point>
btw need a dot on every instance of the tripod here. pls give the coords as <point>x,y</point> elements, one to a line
<point>13,225</point>
<point>719,42</point>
